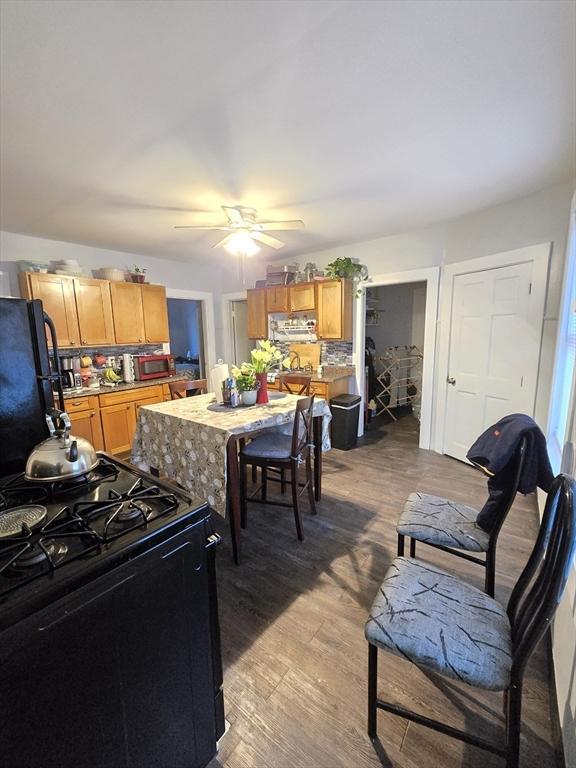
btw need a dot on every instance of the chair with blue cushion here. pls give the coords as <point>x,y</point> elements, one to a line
<point>274,450</point>
<point>451,526</point>
<point>444,625</point>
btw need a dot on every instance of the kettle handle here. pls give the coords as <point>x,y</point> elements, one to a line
<point>51,416</point>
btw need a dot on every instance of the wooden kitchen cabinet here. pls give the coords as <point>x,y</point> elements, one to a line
<point>277,299</point>
<point>140,313</point>
<point>94,306</point>
<point>90,312</point>
<point>301,297</point>
<point>257,323</point>
<point>57,295</point>
<point>128,313</point>
<point>119,412</point>
<point>84,415</point>
<point>334,309</point>
<point>118,426</point>
<point>155,313</point>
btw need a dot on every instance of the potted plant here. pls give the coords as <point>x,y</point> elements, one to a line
<point>265,357</point>
<point>138,274</point>
<point>347,269</point>
<point>246,382</point>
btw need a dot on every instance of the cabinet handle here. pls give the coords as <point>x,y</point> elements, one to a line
<point>84,341</point>
<point>92,414</point>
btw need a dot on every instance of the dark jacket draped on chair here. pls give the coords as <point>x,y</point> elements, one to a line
<point>493,452</point>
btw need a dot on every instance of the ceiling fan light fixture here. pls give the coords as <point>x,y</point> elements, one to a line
<point>241,244</point>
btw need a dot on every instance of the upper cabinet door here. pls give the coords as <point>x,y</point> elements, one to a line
<point>57,295</point>
<point>94,311</point>
<point>334,309</point>
<point>277,299</point>
<point>257,321</point>
<point>155,313</point>
<point>128,313</point>
<point>301,297</point>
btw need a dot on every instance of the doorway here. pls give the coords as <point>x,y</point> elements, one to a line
<point>395,320</point>
<point>241,344</point>
<point>423,288</point>
<point>186,336</point>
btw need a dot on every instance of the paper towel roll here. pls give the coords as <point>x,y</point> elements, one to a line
<point>127,368</point>
<point>218,375</point>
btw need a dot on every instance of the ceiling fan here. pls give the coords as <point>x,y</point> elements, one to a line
<point>243,230</point>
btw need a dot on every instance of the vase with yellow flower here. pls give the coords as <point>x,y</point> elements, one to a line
<point>264,358</point>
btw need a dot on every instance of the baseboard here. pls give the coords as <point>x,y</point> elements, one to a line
<point>557,738</point>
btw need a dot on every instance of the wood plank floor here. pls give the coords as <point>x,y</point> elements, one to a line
<point>292,621</point>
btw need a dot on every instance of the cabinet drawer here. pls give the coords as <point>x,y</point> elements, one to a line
<point>76,405</point>
<point>319,389</point>
<point>132,395</point>
<point>147,401</point>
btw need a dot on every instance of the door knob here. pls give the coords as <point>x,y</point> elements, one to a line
<point>450,380</point>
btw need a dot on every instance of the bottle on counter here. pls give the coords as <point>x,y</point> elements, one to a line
<point>234,394</point>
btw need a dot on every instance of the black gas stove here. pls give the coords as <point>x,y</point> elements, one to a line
<point>108,581</point>
<point>45,526</point>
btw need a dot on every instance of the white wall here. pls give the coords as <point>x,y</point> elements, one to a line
<point>173,274</point>
<point>538,218</point>
<point>418,315</point>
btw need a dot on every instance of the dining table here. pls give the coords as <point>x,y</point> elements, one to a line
<point>194,441</point>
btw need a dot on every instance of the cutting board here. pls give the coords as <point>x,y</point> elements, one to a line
<point>309,353</point>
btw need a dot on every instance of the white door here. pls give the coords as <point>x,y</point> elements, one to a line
<point>494,351</point>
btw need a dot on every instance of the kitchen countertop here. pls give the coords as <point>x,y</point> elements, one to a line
<point>87,391</point>
<point>330,373</point>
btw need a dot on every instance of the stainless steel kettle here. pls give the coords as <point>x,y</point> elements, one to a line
<point>62,456</point>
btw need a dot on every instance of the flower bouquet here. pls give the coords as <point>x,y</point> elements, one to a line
<point>265,357</point>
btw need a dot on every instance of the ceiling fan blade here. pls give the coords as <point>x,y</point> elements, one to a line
<point>224,241</point>
<point>267,240</point>
<point>198,226</point>
<point>234,215</point>
<point>271,225</point>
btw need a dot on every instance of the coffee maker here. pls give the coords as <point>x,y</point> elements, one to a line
<point>70,370</point>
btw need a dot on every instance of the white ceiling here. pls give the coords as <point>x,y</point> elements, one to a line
<point>123,118</point>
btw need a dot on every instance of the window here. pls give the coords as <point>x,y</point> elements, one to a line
<point>562,400</point>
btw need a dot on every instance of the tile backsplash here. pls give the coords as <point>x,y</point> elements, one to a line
<point>332,352</point>
<point>110,351</point>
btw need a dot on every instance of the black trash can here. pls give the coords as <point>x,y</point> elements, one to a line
<point>345,413</point>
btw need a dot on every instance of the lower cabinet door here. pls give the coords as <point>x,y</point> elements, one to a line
<point>87,424</point>
<point>118,426</point>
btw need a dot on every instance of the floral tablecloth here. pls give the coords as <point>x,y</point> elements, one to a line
<point>186,439</point>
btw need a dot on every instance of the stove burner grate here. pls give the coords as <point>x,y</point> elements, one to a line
<point>63,539</point>
<point>18,490</point>
<point>128,511</point>
<point>50,550</point>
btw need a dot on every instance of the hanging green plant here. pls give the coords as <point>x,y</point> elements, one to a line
<point>347,269</point>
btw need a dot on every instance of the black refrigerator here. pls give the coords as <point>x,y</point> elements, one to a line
<point>28,376</point>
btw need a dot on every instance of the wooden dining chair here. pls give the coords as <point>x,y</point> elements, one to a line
<point>273,450</point>
<point>296,384</point>
<point>181,389</point>
<point>444,625</point>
